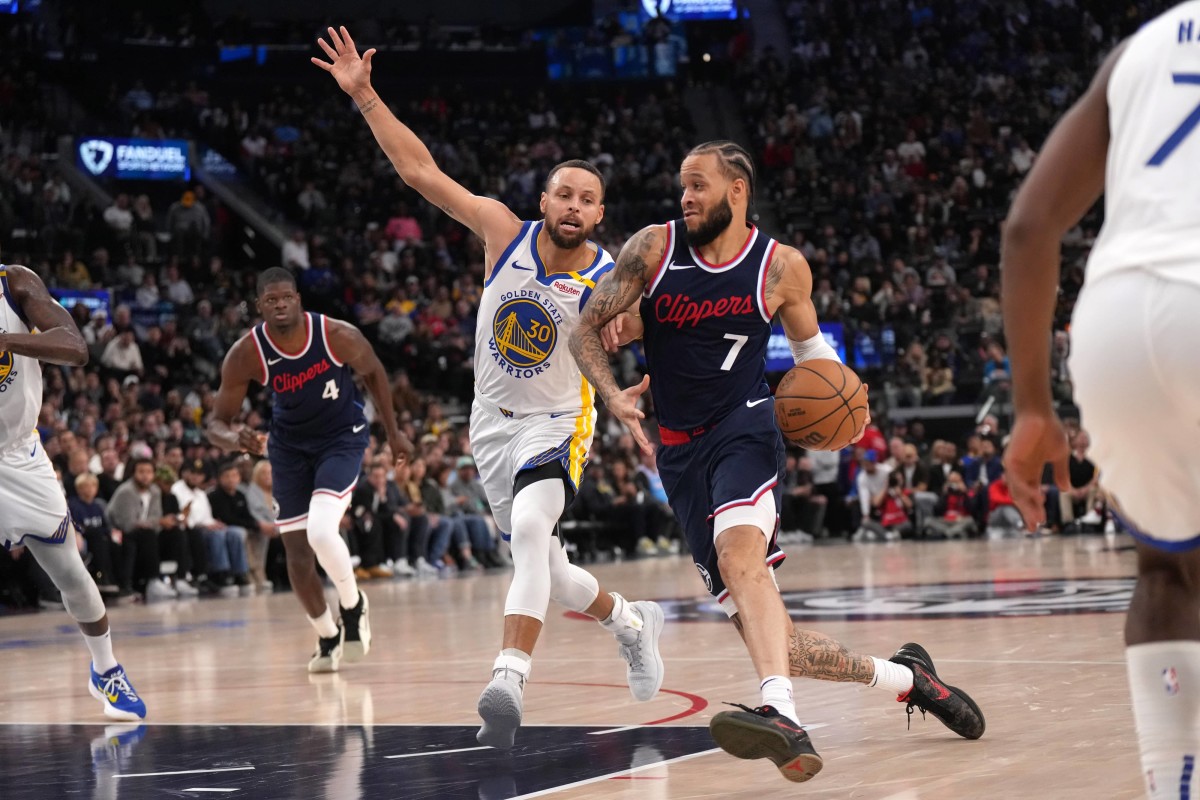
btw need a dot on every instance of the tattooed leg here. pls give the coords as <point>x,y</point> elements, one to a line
<point>815,655</point>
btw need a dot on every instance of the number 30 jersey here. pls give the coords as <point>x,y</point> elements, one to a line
<point>315,397</point>
<point>522,364</point>
<point>706,331</point>
<point>1151,205</point>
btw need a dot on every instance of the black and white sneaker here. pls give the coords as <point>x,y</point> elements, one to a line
<point>357,624</point>
<point>951,705</point>
<point>328,655</point>
<point>765,733</point>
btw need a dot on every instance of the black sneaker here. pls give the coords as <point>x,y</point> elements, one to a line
<point>952,706</point>
<point>765,733</point>
<point>329,653</point>
<point>357,624</point>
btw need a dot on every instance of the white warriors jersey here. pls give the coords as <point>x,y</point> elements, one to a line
<point>1151,204</point>
<point>522,364</point>
<point>20,376</point>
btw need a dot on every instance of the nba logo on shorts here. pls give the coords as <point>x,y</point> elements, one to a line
<point>1170,681</point>
<point>707,578</point>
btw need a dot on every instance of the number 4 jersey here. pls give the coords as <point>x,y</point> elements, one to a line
<point>522,364</point>
<point>706,331</point>
<point>1151,205</point>
<point>316,398</point>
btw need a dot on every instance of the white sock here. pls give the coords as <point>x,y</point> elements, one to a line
<point>1164,681</point>
<point>324,624</point>
<point>101,648</point>
<point>623,616</point>
<point>513,665</point>
<point>777,693</point>
<point>890,676</point>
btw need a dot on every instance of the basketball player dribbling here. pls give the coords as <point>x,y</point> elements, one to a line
<point>709,285</point>
<point>1131,136</point>
<point>33,508</point>
<point>317,438</point>
<point>533,416</point>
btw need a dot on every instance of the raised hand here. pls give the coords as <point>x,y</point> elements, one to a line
<point>623,405</point>
<point>352,72</point>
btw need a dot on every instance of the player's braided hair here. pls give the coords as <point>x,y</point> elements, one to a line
<point>734,160</point>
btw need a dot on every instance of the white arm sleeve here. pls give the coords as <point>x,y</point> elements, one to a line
<point>816,347</point>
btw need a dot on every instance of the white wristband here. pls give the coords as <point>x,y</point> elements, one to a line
<point>815,347</point>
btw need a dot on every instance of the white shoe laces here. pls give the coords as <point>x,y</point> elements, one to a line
<point>632,652</point>
<point>118,683</point>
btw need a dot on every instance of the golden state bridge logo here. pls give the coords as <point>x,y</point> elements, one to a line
<point>6,370</point>
<point>524,333</point>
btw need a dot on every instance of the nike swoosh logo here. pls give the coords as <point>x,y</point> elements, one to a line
<point>33,452</point>
<point>518,266</point>
<point>112,698</point>
<point>753,403</point>
<point>357,428</point>
<point>561,414</point>
<point>681,266</point>
<point>273,361</point>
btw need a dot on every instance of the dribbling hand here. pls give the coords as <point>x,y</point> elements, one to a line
<point>866,422</point>
<point>353,73</point>
<point>623,405</point>
<point>1036,438</point>
<point>252,441</point>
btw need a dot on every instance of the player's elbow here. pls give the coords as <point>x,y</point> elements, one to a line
<point>78,355</point>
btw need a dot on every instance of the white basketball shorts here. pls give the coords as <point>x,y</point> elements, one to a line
<point>504,446</point>
<point>32,503</point>
<point>1137,383</point>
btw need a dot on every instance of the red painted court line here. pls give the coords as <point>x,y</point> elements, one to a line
<point>698,703</point>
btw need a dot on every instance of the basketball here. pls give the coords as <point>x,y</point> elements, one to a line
<point>820,405</point>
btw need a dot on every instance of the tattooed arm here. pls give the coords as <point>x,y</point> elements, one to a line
<point>614,293</point>
<point>789,292</point>
<point>489,219</point>
<point>815,655</point>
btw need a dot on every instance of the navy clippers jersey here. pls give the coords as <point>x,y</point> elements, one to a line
<point>706,331</point>
<point>315,394</point>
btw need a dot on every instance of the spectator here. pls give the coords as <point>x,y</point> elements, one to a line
<point>294,255</point>
<point>123,356</point>
<point>952,518</point>
<point>89,515</point>
<point>265,511</point>
<point>380,531</point>
<point>189,224</point>
<point>137,517</point>
<point>225,545</point>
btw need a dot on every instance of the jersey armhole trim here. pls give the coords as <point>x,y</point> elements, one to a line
<point>262,357</point>
<point>508,251</point>
<point>762,282</point>
<point>329,344</point>
<point>8,298</point>
<point>668,251</point>
<point>596,276</point>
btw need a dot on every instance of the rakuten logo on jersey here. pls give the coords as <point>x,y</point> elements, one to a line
<point>682,311</point>
<point>566,288</point>
<point>294,383</point>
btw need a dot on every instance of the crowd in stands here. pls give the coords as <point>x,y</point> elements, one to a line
<point>883,157</point>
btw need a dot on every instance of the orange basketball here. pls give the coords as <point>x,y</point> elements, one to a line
<point>820,405</point>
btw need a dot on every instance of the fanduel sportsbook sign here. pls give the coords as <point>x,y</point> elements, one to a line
<point>134,159</point>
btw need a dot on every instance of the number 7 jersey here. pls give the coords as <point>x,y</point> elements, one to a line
<point>706,330</point>
<point>1151,203</point>
<point>315,397</point>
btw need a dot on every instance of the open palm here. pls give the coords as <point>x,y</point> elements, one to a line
<point>353,73</point>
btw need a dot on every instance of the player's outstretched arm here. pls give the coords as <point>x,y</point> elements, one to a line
<point>57,340</point>
<point>1066,180</point>
<point>241,365</point>
<point>489,219</point>
<point>354,349</point>
<point>615,292</point>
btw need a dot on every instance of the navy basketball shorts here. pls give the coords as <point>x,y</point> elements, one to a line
<point>299,473</point>
<point>728,467</point>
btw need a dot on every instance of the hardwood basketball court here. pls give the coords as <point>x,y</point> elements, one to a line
<point>233,713</point>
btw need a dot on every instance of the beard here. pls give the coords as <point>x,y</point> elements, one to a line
<point>564,240</point>
<point>711,226</point>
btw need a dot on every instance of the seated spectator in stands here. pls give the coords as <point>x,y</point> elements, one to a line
<point>402,228</point>
<point>892,508</point>
<point>145,230</point>
<point>122,356</point>
<point>88,513</point>
<point>77,466</point>
<point>147,296</point>
<point>870,482</point>
<point>952,518</point>
<point>442,529</point>
<point>408,478</point>
<point>464,533</point>
<point>1003,519</point>
<point>916,483</point>
<point>1079,505</point>
<point>177,542</point>
<point>660,521</point>
<point>226,545</point>
<point>178,290</point>
<point>265,511</point>
<point>111,473</point>
<point>294,255</point>
<point>190,226</point>
<point>802,515</point>
<point>119,218</point>
<point>137,517</point>
<point>377,526</point>
<point>469,499</point>
<point>231,507</point>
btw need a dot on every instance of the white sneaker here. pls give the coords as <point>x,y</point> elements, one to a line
<point>646,547</point>
<point>403,569</point>
<point>644,672</point>
<point>159,589</point>
<point>425,568</point>
<point>185,589</point>
<point>356,622</point>
<point>328,655</point>
<point>500,709</point>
